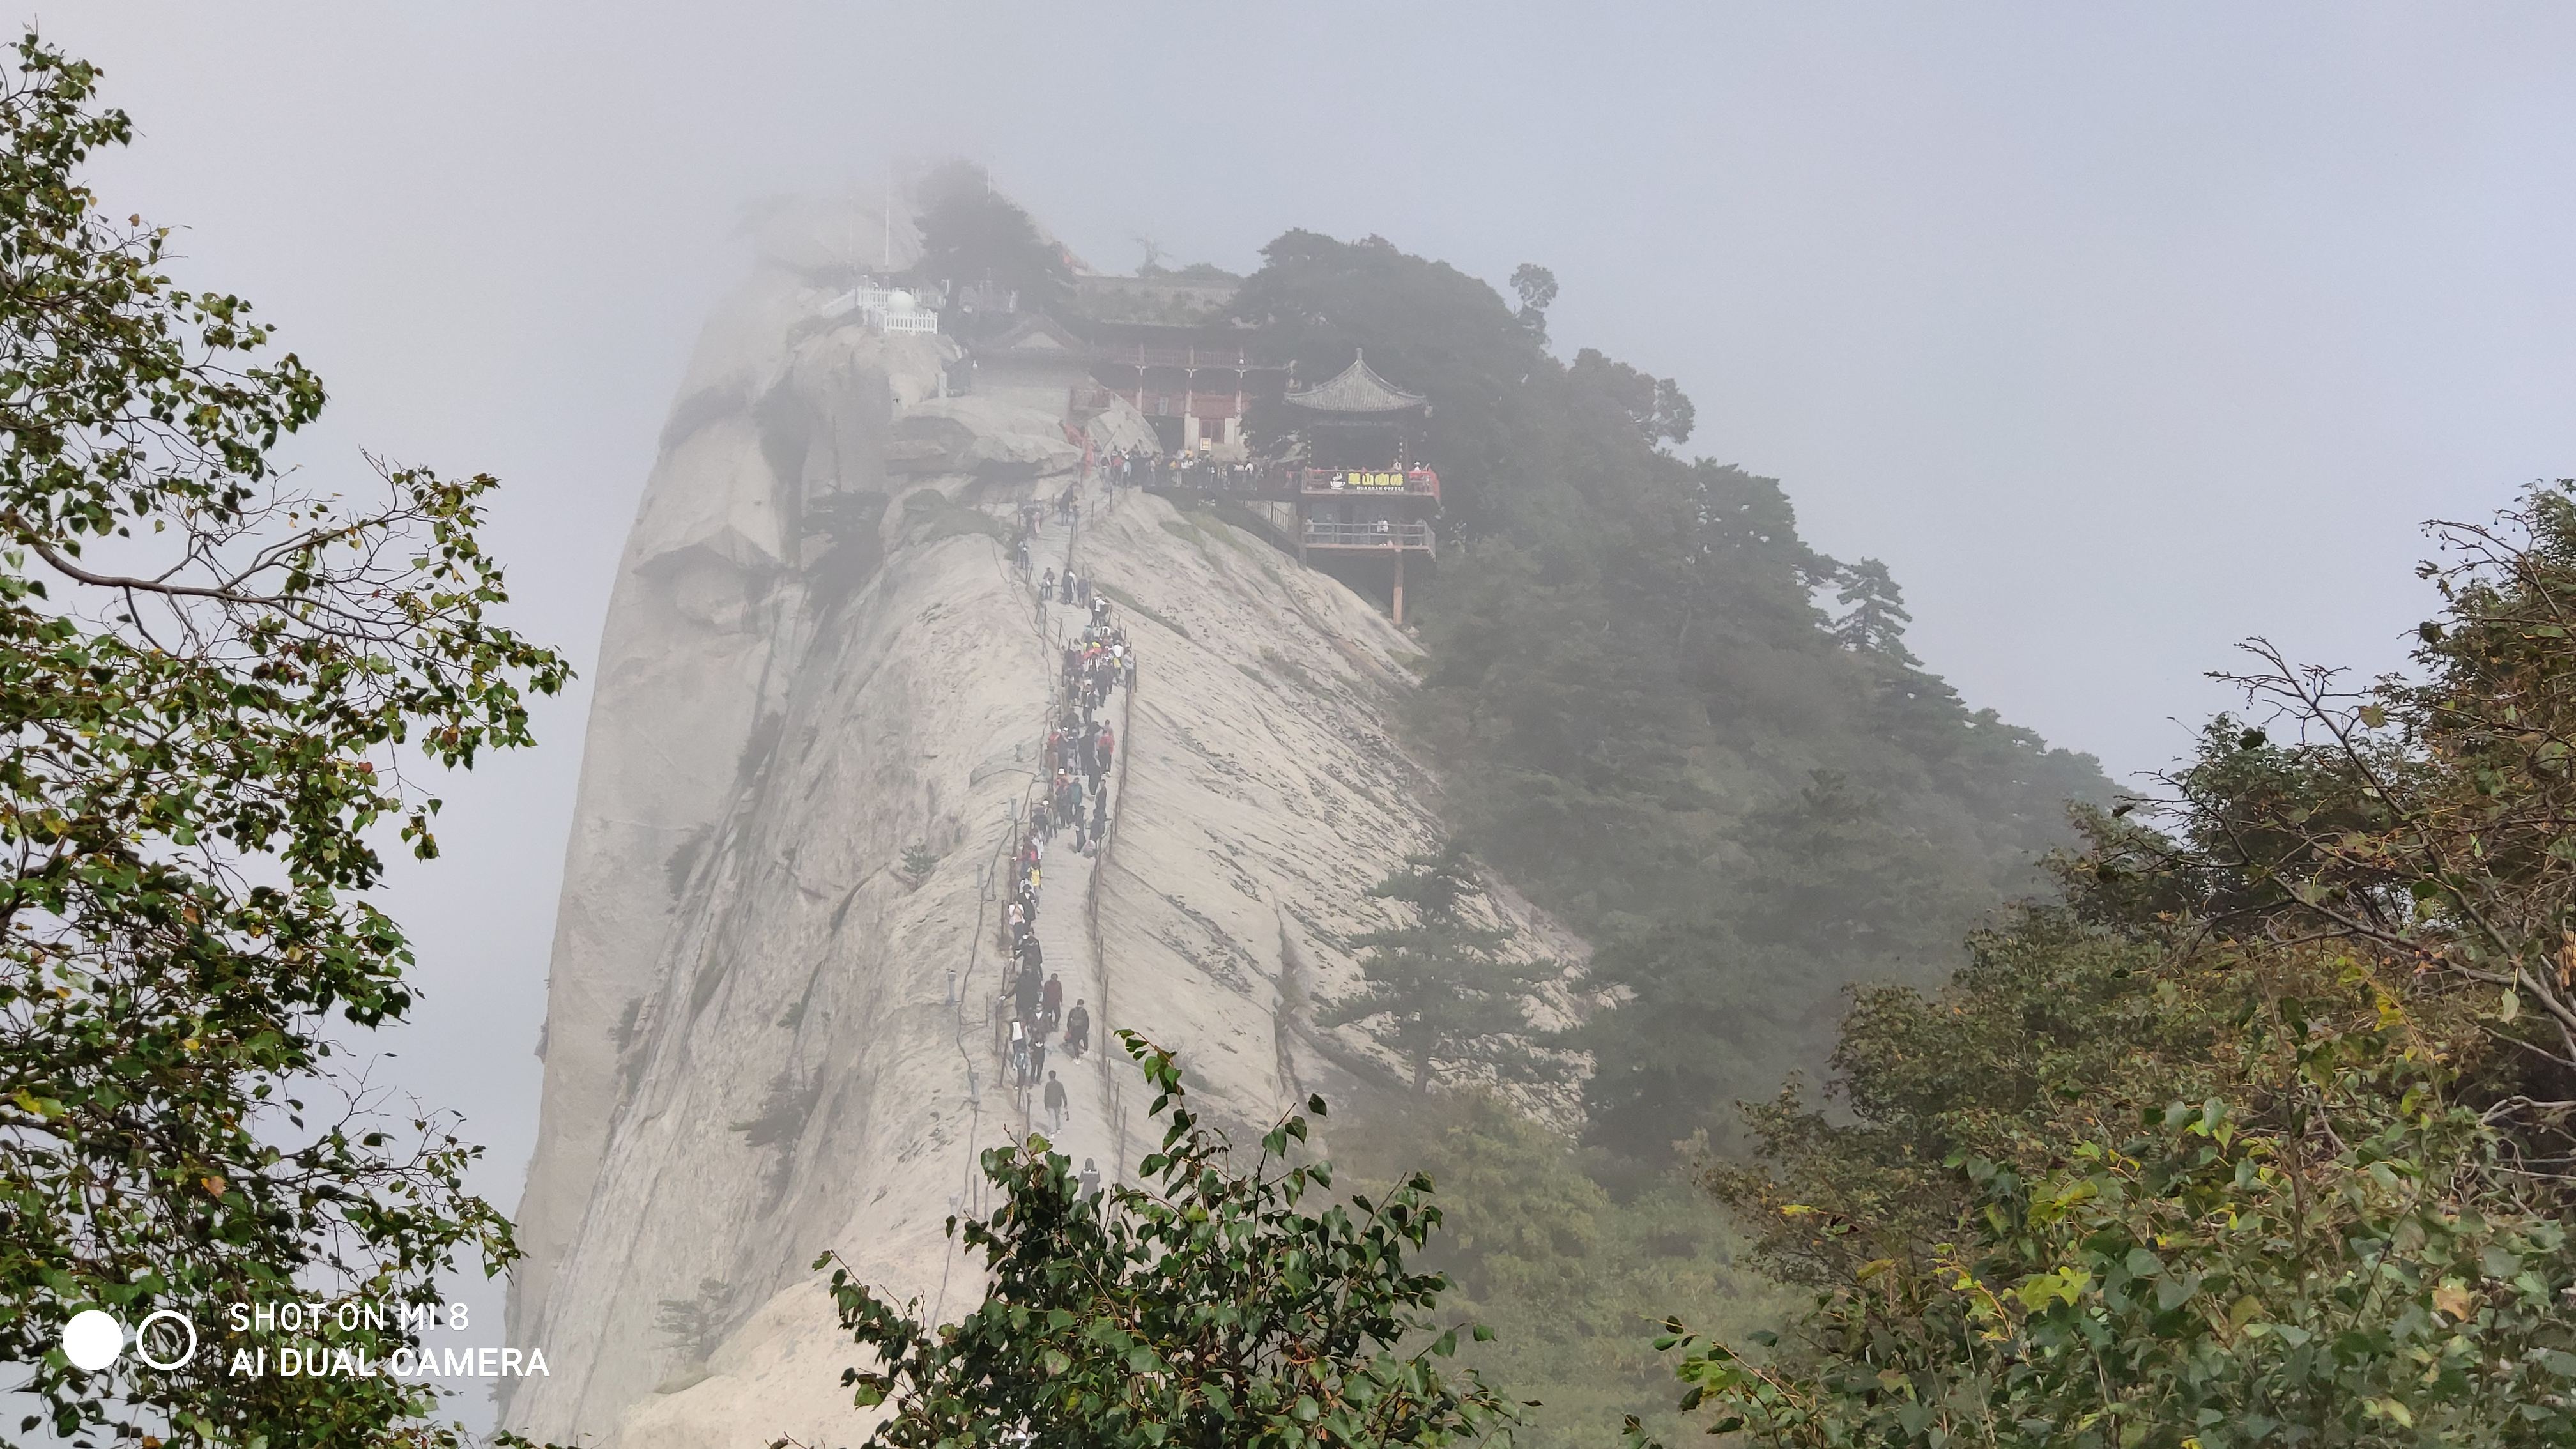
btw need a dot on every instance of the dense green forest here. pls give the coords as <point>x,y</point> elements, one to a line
<point>1653,722</point>
<point>1696,739</point>
<point>2258,1129</point>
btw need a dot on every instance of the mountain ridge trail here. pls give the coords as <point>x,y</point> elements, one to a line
<point>768,1037</point>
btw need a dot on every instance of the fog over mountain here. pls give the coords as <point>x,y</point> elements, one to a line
<point>2114,336</point>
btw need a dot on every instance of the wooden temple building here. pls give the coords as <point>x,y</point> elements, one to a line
<point>1349,494</point>
<point>1193,384</point>
<point>1340,483</point>
<point>1360,493</point>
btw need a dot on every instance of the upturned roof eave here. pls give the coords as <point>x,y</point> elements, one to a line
<point>1356,389</point>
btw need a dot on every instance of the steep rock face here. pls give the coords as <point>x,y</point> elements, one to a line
<point>765,1037</point>
<point>1264,796</point>
<point>774,427</point>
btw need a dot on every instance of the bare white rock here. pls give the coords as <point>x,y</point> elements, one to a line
<point>764,1040</point>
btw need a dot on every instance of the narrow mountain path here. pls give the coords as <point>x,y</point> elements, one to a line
<point>1064,926</point>
<point>1092,1131</point>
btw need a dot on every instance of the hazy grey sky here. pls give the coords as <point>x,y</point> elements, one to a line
<point>2118,332</point>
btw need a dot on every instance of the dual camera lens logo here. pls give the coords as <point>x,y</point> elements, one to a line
<point>92,1340</point>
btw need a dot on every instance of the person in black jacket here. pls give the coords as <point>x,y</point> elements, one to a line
<point>1077,1030</point>
<point>1026,998</point>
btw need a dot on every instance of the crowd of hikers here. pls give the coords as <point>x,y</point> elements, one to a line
<point>1138,468</point>
<point>1075,764</point>
<point>1074,769</point>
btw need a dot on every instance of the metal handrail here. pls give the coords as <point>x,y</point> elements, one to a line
<point>1332,533</point>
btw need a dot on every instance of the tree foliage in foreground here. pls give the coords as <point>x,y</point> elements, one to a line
<point>1213,1306</point>
<point>204,681</point>
<point>2262,1136</point>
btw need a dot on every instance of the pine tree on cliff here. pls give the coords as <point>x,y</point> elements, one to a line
<point>1536,287</point>
<point>1874,619</point>
<point>1447,995</point>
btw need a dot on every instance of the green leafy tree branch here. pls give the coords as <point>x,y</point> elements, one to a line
<point>2261,1134</point>
<point>209,683</point>
<point>1209,1306</point>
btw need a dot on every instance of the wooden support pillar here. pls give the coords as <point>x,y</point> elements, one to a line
<point>1399,588</point>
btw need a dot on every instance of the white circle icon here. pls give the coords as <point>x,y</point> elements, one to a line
<point>92,1340</point>
<point>165,1330</point>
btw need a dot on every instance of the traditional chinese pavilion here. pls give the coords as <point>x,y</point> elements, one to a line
<point>1360,492</point>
